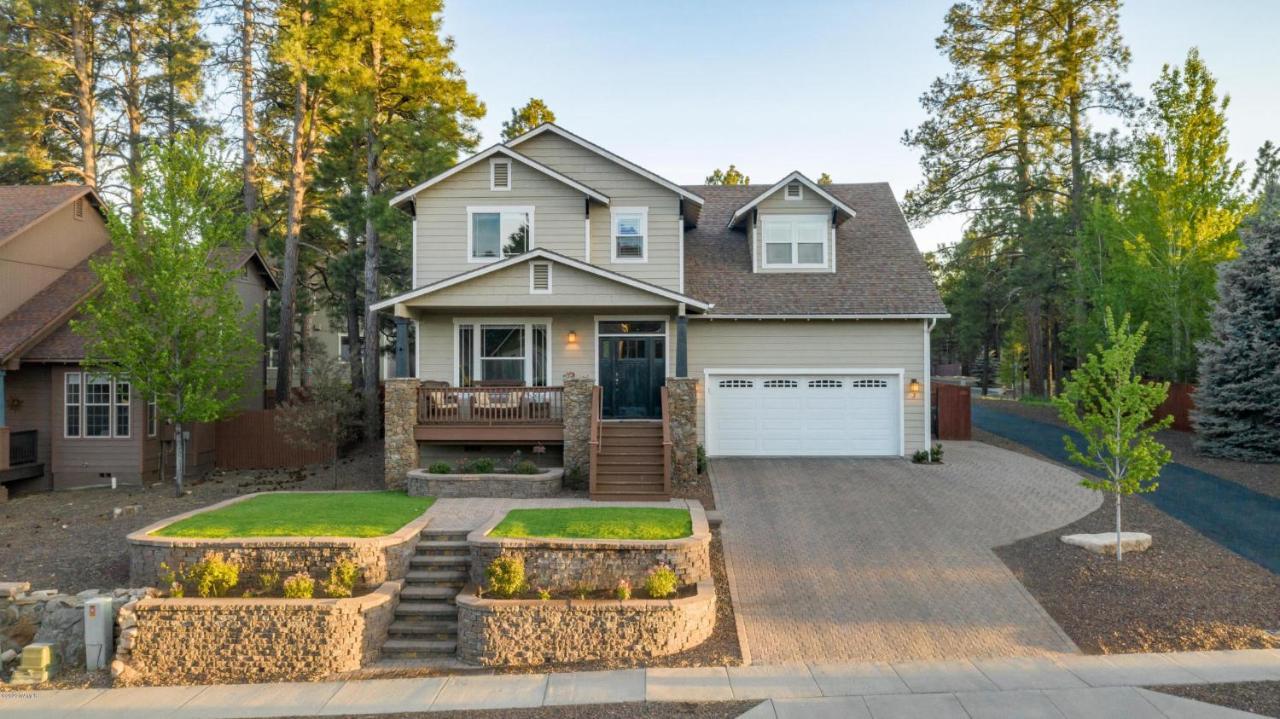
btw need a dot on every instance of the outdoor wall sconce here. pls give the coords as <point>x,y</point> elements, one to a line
<point>573,337</point>
<point>913,389</point>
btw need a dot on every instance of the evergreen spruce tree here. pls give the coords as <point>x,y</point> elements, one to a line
<point>1238,401</point>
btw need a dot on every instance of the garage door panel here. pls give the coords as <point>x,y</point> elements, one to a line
<point>803,415</point>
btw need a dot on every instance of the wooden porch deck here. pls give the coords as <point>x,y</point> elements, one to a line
<point>490,415</point>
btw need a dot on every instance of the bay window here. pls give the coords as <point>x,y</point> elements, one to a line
<point>513,351</point>
<point>96,406</point>
<point>495,233</point>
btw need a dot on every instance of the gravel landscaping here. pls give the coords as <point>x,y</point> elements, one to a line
<point>1257,697</point>
<point>1186,592</point>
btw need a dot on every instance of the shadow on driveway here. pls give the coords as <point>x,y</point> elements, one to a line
<point>1238,518</point>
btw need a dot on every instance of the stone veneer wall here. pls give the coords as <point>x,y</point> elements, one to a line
<point>517,632</point>
<point>184,641</point>
<point>682,397</point>
<point>577,426</point>
<point>422,483</point>
<point>562,564</point>
<point>400,409</point>
<point>380,559</point>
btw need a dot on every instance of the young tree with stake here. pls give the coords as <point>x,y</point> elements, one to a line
<point>1108,403</point>
<point>167,317</point>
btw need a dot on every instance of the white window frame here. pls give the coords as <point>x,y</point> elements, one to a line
<point>786,191</point>
<point>492,174</point>
<point>477,344</point>
<point>795,263</point>
<point>96,378</point>
<point>614,212</point>
<point>81,381</point>
<point>489,209</point>
<point>116,404</point>
<point>550,280</point>
<point>342,336</point>
<point>153,418</point>
<point>68,406</point>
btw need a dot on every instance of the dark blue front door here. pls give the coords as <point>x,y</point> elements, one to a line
<point>631,376</point>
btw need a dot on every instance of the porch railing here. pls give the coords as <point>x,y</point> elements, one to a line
<point>596,438</point>
<point>666,442</point>
<point>491,405</point>
<point>22,447</point>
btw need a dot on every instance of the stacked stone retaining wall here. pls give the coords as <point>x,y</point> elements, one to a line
<point>422,483</point>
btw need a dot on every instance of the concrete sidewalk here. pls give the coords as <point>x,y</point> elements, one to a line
<point>1072,686</point>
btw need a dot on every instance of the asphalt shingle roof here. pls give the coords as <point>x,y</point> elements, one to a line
<point>55,302</point>
<point>879,270</point>
<point>21,205</point>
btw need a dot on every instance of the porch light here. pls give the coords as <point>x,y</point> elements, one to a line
<point>913,389</point>
<point>573,337</point>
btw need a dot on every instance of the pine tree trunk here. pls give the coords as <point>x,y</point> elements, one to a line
<point>372,258</point>
<point>354,311</point>
<point>86,103</point>
<point>293,230</point>
<point>249,125</point>
<point>133,115</point>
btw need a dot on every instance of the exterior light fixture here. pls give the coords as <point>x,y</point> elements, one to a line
<point>913,389</point>
<point>573,337</point>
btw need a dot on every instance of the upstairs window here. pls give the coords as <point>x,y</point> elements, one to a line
<point>795,191</point>
<point>496,233</point>
<point>795,241</point>
<point>630,234</point>
<point>500,175</point>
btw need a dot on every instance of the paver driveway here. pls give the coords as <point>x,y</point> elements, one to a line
<point>884,560</point>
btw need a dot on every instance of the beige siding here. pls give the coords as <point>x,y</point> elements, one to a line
<point>40,255</point>
<point>777,204</point>
<point>558,218</point>
<point>79,461</point>
<point>725,344</point>
<point>625,189</point>
<point>569,287</point>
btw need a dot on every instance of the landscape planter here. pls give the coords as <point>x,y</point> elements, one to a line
<point>563,564</point>
<point>233,640</point>
<point>421,483</point>
<point>522,632</point>
<point>380,559</point>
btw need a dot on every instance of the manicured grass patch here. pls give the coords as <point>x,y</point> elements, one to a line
<point>596,523</point>
<point>305,514</point>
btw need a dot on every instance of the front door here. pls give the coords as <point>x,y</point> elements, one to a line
<point>631,376</point>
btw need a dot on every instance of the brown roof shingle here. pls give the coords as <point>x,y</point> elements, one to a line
<point>879,270</point>
<point>54,303</point>
<point>21,205</point>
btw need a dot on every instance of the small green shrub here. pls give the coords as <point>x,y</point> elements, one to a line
<point>526,467</point>
<point>580,590</point>
<point>169,578</point>
<point>299,586</point>
<point>575,478</point>
<point>505,575</point>
<point>920,457</point>
<point>702,459</point>
<point>440,468</point>
<point>213,576</point>
<point>268,583</point>
<point>935,454</point>
<point>342,579</point>
<point>661,582</point>
<point>623,590</point>
<point>544,594</point>
<point>479,465</point>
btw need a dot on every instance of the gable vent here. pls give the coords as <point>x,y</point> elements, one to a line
<point>77,209</point>
<point>500,175</point>
<point>795,191</point>
<point>540,277</point>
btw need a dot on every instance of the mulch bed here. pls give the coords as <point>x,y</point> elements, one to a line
<point>644,710</point>
<point>1257,697</point>
<point>68,540</point>
<point>1187,592</point>
<point>1264,478</point>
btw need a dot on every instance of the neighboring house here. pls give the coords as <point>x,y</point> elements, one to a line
<point>326,339</point>
<point>802,311</point>
<point>62,426</point>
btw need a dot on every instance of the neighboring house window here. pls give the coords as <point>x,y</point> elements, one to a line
<point>500,175</point>
<point>97,406</point>
<point>153,418</point>
<point>630,234</point>
<point>122,409</point>
<point>795,240</point>
<point>273,351</point>
<point>344,347</point>
<point>71,398</point>
<point>511,351</point>
<point>495,233</point>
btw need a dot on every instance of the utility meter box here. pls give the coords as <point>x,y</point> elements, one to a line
<point>99,633</point>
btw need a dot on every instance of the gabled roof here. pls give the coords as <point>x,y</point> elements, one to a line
<point>22,206</point>
<point>741,212</point>
<point>499,149</point>
<point>545,254</point>
<point>556,129</point>
<point>48,309</point>
<point>879,271</point>
<point>233,258</point>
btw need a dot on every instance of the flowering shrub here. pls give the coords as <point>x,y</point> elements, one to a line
<point>661,582</point>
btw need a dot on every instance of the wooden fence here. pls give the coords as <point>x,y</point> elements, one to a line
<point>250,441</point>
<point>1179,403</point>
<point>951,417</point>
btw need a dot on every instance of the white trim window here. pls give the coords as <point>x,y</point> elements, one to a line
<point>122,408</point>
<point>630,234</point>
<point>153,418</point>
<point>71,398</point>
<point>496,233</point>
<point>500,175</point>
<point>794,241</point>
<point>97,406</point>
<point>344,347</point>
<point>499,350</point>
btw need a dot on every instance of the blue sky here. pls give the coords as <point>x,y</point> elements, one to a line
<point>684,87</point>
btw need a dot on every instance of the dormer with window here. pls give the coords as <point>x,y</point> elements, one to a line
<point>791,226</point>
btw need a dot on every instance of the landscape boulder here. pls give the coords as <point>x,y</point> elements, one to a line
<point>1105,542</point>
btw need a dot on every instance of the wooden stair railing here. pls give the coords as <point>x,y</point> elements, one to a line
<point>594,444</point>
<point>666,443</point>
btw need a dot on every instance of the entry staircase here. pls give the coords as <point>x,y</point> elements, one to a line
<point>426,621</point>
<point>630,459</point>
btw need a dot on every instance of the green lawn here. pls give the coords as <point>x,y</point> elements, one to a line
<point>305,514</point>
<point>596,523</point>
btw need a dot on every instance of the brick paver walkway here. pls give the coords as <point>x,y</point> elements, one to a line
<point>884,560</point>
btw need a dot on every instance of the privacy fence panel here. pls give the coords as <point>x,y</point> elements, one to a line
<point>250,441</point>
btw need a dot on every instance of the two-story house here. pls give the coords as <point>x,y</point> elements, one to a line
<point>802,311</point>
<point>63,425</point>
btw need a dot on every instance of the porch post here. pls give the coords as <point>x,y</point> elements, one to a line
<point>402,347</point>
<point>2,400</point>
<point>4,437</point>
<point>401,446</point>
<point>682,343</point>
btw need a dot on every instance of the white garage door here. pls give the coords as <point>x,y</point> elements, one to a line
<point>803,415</point>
